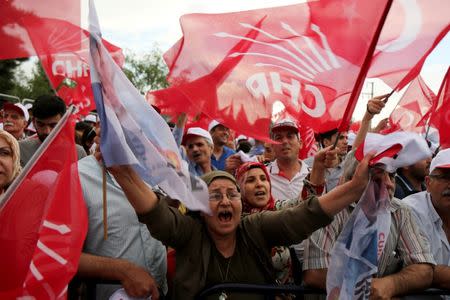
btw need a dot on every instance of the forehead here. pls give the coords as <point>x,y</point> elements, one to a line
<point>49,120</point>
<point>255,172</point>
<point>284,131</point>
<point>221,183</point>
<point>12,112</point>
<point>195,139</point>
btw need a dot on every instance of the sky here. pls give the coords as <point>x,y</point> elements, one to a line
<point>141,25</point>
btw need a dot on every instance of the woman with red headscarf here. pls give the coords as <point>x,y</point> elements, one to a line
<point>254,183</point>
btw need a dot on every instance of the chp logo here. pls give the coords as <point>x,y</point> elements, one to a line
<point>289,67</point>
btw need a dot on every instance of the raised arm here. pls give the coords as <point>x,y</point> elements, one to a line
<point>374,107</point>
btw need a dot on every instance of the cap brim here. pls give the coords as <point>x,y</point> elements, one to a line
<point>276,128</point>
<point>10,106</point>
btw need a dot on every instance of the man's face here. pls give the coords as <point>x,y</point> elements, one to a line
<point>438,185</point>
<point>342,144</point>
<point>288,145</point>
<point>14,122</point>
<point>198,149</point>
<point>45,126</point>
<point>226,207</point>
<point>420,169</point>
<point>387,178</point>
<point>220,135</point>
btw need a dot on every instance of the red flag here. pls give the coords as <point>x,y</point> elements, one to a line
<point>235,67</point>
<point>13,36</point>
<point>412,107</point>
<point>64,55</point>
<point>440,113</point>
<point>44,221</point>
<point>412,29</point>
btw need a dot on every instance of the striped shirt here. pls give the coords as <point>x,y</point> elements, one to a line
<point>406,243</point>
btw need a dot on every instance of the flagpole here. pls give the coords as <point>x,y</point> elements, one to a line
<point>32,162</point>
<point>105,209</point>
<point>364,69</point>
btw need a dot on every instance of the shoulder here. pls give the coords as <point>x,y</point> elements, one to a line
<point>228,150</point>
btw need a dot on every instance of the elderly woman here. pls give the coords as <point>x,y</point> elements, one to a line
<point>9,160</point>
<point>224,247</point>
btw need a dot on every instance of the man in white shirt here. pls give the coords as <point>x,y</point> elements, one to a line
<point>432,208</point>
<point>287,171</point>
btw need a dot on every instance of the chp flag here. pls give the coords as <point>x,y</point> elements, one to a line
<point>44,221</point>
<point>236,67</point>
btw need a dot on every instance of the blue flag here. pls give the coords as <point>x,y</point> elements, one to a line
<point>354,258</point>
<point>133,133</point>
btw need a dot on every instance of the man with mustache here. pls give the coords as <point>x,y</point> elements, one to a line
<point>15,119</point>
<point>432,208</point>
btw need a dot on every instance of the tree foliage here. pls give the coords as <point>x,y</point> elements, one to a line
<point>33,85</point>
<point>147,72</point>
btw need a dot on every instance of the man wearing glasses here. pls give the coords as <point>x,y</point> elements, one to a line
<point>432,208</point>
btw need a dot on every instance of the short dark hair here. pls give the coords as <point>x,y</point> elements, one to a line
<point>47,106</point>
<point>326,135</point>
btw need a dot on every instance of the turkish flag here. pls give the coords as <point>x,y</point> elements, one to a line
<point>412,29</point>
<point>237,67</point>
<point>43,221</point>
<point>440,112</point>
<point>13,36</point>
<point>412,108</point>
<point>63,50</point>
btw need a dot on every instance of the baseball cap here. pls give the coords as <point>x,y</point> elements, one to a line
<point>241,138</point>
<point>212,124</point>
<point>211,176</point>
<point>91,118</point>
<point>197,131</point>
<point>284,124</point>
<point>441,160</point>
<point>18,108</point>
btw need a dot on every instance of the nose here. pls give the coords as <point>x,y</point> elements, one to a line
<point>389,182</point>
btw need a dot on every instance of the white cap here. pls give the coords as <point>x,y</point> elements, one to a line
<point>395,150</point>
<point>18,108</point>
<point>197,131</point>
<point>284,123</point>
<point>441,160</point>
<point>91,118</point>
<point>241,138</point>
<point>212,124</point>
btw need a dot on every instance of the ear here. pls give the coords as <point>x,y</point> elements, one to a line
<point>427,183</point>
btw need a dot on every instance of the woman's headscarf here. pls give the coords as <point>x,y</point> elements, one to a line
<point>241,175</point>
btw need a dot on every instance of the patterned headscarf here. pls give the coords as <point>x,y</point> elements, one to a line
<point>241,176</point>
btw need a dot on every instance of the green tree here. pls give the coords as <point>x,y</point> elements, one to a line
<point>7,72</point>
<point>147,72</point>
<point>33,85</point>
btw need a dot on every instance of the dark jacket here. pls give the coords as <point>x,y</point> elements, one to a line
<point>259,232</point>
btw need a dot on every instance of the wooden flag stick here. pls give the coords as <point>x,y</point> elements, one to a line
<point>105,211</point>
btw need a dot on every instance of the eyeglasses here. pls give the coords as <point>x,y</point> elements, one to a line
<point>232,196</point>
<point>441,177</point>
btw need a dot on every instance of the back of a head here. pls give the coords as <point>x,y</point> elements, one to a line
<point>47,106</point>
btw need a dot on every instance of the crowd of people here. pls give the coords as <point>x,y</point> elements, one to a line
<point>275,218</point>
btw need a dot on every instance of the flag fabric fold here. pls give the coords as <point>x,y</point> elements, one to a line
<point>412,30</point>
<point>133,133</point>
<point>44,221</point>
<point>440,112</point>
<point>413,108</point>
<point>354,258</point>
